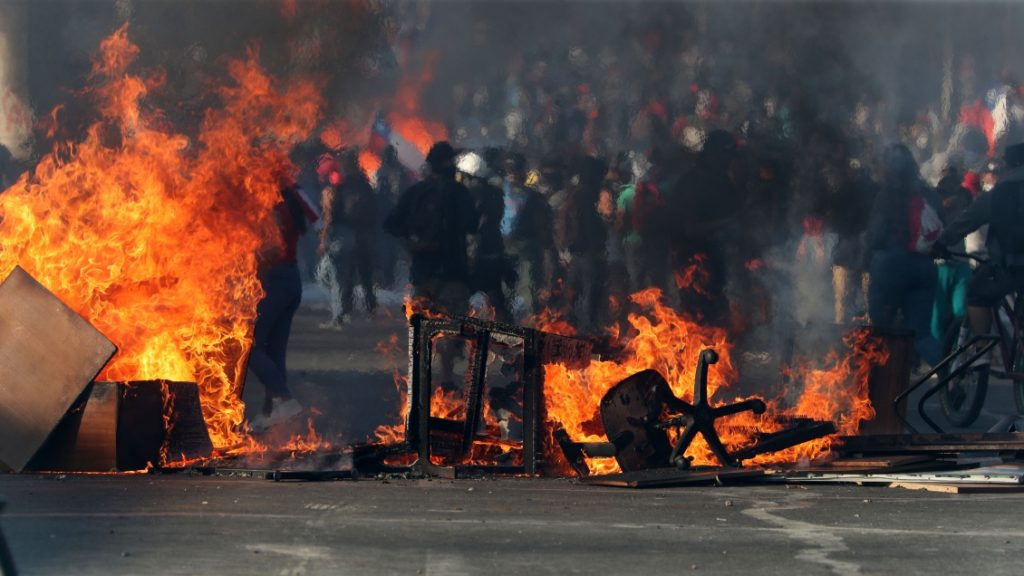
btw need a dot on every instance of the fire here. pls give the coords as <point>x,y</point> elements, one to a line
<point>394,433</point>
<point>154,236</point>
<point>694,276</point>
<point>369,162</point>
<point>664,341</point>
<point>308,443</point>
<point>405,117</point>
<point>670,343</point>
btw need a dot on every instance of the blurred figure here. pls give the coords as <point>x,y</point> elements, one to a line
<point>489,267</point>
<point>953,275</point>
<point>527,226</point>
<point>586,238</point>
<point>329,246</point>
<point>5,168</point>
<point>392,179</point>
<point>704,208</point>
<point>282,286</point>
<point>1001,209</point>
<point>349,227</point>
<point>432,219</point>
<point>360,212</point>
<point>849,193</point>
<point>905,222</point>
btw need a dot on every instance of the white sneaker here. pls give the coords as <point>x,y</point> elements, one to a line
<point>333,324</point>
<point>282,410</point>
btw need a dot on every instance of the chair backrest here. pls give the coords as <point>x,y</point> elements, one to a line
<point>630,411</point>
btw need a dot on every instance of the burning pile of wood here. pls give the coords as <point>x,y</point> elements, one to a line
<point>54,416</point>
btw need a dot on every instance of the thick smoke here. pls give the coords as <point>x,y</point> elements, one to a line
<point>802,84</point>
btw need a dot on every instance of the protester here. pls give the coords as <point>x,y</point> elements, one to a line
<point>904,224</point>
<point>432,220</point>
<point>354,224</point>
<point>282,288</point>
<point>1001,209</point>
<point>490,268</point>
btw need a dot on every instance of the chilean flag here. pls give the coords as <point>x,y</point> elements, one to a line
<point>382,134</point>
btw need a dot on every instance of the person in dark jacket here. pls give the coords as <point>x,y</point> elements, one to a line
<point>1003,210</point>
<point>904,224</point>
<point>849,193</point>
<point>392,179</point>
<point>586,237</point>
<point>704,209</point>
<point>432,220</point>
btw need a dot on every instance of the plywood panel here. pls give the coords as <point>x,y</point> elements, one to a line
<point>48,355</point>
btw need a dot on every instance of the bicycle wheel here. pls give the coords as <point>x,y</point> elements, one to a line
<point>962,397</point>
<point>1018,366</point>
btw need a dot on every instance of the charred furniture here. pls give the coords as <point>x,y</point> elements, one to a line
<point>443,446</point>
<point>632,415</point>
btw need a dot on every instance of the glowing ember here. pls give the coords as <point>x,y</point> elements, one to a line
<point>154,236</point>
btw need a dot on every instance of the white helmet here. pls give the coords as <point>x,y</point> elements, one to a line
<point>472,164</point>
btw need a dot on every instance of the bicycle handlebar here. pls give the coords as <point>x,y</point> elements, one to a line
<point>966,256</point>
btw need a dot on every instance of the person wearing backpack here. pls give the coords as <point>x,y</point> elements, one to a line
<point>905,222</point>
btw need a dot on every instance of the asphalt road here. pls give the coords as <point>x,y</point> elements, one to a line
<point>209,525</point>
<point>181,524</point>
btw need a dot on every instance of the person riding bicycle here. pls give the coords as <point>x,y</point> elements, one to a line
<point>1003,210</point>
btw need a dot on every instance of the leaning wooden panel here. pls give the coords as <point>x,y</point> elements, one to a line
<point>48,355</point>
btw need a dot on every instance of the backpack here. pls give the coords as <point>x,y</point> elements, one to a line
<point>425,218</point>
<point>924,224</point>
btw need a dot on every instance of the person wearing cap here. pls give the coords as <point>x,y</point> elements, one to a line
<point>1003,210</point>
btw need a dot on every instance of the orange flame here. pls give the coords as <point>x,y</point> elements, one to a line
<point>405,117</point>
<point>369,162</point>
<point>694,276</point>
<point>670,343</point>
<point>308,443</point>
<point>154,238</point>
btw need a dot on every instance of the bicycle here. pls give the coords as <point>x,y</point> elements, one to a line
<point>963,376</point>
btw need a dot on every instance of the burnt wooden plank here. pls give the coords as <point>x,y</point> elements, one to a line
<point>568,350</point>
<point>668,477</point>
<point>943,443</point>
<point>121,426</point>
<point>188,436</point>
<point>48,355</point>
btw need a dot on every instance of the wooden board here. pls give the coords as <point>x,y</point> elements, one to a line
<point>941,443</point>
<point>86,439</point>
<point>48,355</point>
<point>882,462</point>
<point>959,488</point>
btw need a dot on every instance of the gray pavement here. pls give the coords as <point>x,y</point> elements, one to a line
<point>209,525</point>
<point>181,524</point>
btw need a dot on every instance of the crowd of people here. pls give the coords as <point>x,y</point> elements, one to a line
<point>582,168</point>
